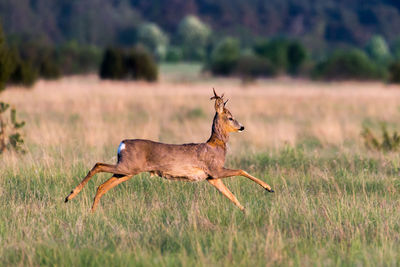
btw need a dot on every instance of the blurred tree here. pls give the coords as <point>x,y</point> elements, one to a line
<point>396,49</point>
<point>48,69</point>
<point>194,36</point>
<point>151,36</point>
<point>225,56</point>
<point>276,51</point>
<point>378,49</point>
<point>338,22</point>
<point>174,54</point>
<point>394,72</point>
<point>250,66</point>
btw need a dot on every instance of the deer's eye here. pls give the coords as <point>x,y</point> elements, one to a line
<point>230,119</point>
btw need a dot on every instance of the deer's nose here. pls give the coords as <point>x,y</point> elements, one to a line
<point>241,128</point>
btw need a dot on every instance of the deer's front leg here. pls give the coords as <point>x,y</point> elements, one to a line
<point>229,173</point>
<point>217,183</point>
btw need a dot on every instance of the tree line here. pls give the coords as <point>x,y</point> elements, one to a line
<point>24,62</point>
<point>318,24</point>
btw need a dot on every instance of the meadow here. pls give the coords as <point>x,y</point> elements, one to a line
<point>335,202</point>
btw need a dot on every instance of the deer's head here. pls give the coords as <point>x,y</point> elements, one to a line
<point>224,117</point>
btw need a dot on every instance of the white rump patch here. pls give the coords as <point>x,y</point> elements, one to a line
<point>121,147</point>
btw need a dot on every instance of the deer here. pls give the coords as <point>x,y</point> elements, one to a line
<point>189,162</point>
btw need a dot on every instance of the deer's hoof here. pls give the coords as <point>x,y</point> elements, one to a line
<point>66,199</point>
<point>270,190</point>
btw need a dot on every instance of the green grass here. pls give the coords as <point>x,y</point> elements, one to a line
<point>330,207</point>
<point>181,72</point>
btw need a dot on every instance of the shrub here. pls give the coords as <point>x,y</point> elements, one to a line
<point>251,66</point>
<point>10,138</point>
<point>137,64</point>
<point>388,143</point>
<point>174,54</point>
<point>276,51</point>
<point>347,65</point>
<point>113,65</point>
<point>48,69</point>
<point>24,74</point>
<point>396,49</point>
<point>140,65</point>
<point>225,57</point>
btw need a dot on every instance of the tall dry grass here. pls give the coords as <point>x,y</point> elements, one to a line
<point>98,113</point>
<point>335,203</point>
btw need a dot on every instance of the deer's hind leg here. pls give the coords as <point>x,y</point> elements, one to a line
<point>217,183</point>
<point>98,167</point>
<point>115,180</point>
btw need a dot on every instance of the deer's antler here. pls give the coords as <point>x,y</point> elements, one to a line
<point>216,96</point>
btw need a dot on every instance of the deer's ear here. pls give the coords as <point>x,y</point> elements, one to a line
<point>219,105</point>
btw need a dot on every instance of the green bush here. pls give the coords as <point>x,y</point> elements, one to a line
<point>296,55</point>
<point>113,65</point>
<point>74,58</point>
<point>347,65</point>
<point>284,55</point>
<point>224,57</point>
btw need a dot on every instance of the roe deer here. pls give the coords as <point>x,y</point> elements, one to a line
<point>190,162</point>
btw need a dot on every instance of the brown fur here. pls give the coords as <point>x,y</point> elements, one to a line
<point>190,162</point>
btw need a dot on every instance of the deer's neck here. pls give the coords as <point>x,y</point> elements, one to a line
<point>219,136</point>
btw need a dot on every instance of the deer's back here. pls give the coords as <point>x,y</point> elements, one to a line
<point>192,162</point>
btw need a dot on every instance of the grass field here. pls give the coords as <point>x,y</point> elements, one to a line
<point>335,202</point>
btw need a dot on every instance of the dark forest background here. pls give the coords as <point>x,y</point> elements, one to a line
<point>318,24</point>
<point>129,39</point>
